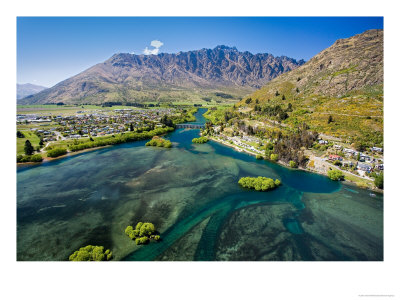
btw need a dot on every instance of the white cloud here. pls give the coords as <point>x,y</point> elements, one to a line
<point>148,51</point>
<point>156,44</point>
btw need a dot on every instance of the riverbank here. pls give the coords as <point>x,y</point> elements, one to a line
<point>311,170</point>
<point>108,141</point>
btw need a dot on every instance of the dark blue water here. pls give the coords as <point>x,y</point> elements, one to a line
<point>90,198</point>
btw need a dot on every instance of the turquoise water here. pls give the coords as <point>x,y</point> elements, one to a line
<point>190,193</point>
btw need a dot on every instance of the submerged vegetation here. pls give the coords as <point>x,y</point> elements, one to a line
<point>142,233</point>
<point>159,142</point>
<point>259,183</point>
<point>91,253</point>
<point>200,140</point>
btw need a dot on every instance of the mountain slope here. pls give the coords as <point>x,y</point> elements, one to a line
<point>169,77</point>
<point>27,89</point>
<point>348,65</point>
<point>345,81</point>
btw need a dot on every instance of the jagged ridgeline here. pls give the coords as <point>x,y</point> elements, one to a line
<point>338,92</point>
<point>222,73</point>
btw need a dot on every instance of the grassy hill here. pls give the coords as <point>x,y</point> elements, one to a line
<point>338,92</point>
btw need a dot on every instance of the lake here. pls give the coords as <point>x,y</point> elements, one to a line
<point>190,192</point>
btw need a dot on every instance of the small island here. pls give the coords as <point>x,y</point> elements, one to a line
<point>200,140</point>
<point>259,183</point>
<point>156,141</point>
<point>91,253</point>
<point>143,233</point>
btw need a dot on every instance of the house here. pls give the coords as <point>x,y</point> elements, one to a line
<point>322,142</point>
<point>348,163</point>
<point>379,167</point>
<point>376,149</point>
<point>74,136</point>
<point>334,157</point>
<point>364,167</point>
<point>337,147</point>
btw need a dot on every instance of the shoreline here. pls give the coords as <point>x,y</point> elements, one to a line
<point>236,148</point>
<point>71,153</point>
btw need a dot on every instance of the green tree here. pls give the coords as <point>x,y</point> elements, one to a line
<point>28,148</point>
<point>292,164</point>
<point>20,134</point>
<point>274,157</point>
<point>379,181</point>
<point>335,175</point>
<point>91,253</point>
<point>330,119</point>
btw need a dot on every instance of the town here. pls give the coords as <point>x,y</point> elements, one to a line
<point>45,131</point>
<point>322,156</point>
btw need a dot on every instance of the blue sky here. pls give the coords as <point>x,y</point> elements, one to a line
<point>50,50</point>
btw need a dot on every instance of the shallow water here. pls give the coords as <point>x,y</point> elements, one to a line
<point>190,193</point>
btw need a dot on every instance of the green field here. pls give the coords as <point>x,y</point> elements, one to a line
<point>32,137</point>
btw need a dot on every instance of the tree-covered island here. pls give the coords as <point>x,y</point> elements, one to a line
<point>200,140</point>
<point>259,183</point>
<point>143,233</point>
<point>156,141</point>
<point>91,253</point>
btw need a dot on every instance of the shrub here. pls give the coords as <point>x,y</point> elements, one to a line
<point>56,152</point>
<point>337,163</point>
<point>259,156</point>
<point>138,225</point>
<point>36,158</point>
<point>142,240</point>
<point>274,157</point>
<point>292,164</point>
<point>91,253</point>
<point>335,175</point>
<point>156,237</point>
<point>29,158</point>
<point>147,229</point>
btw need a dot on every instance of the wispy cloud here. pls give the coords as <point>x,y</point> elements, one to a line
<point>156,44</point>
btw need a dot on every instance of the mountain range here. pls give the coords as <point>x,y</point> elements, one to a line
<point>27,89</point>
<point>222,72</point>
